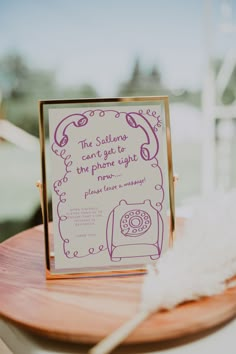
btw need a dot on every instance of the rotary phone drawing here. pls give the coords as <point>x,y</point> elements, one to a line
<point>148,150</point>
<point>134,230</point>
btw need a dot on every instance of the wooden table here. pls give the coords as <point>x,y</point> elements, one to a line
<point>83,311</point>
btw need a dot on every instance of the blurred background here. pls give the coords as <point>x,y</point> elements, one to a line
<point>74,49</point>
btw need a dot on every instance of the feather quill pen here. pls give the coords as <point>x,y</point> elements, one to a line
<point>199,265</point>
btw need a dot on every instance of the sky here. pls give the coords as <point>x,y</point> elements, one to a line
<point>97,41</point>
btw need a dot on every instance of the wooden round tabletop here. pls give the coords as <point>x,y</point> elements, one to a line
<point>87,310</point>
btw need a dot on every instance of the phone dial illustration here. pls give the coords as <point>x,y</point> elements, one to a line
<point>134,230</point>
<point>149,149</point>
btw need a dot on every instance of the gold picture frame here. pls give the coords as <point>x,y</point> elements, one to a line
<point>44,106</point>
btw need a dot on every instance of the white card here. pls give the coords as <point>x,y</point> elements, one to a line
<point>109,193</point>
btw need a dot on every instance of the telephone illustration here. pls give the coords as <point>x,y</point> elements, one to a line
<point>134,230</point>
<point>148,150</point>
<point>77,119</point>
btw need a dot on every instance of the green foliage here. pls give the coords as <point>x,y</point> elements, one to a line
<point>150,83</point>
<point>84,91</point>
<point>14,75</point>
<point>23,113</point>
<point>87,91</point>
<point>229,94</point>
<point>142,83</point>
<point>23,86</point>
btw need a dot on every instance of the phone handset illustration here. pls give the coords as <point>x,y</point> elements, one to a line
<point>60,136</point>
<point>149,149</point>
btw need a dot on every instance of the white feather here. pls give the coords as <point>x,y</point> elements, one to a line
<point>198,265</point>
<point>200,261</point>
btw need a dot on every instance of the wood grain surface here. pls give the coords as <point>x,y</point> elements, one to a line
<point>86,310</point>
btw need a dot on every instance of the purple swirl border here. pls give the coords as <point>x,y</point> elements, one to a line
<point>61,139</point>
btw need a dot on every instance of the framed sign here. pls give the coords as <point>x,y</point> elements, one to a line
<point>110,178</point>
